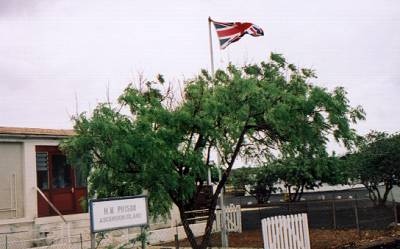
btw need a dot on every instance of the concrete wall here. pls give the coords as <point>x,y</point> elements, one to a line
<point>18,159</point>
<point>11,180</point>
<point>19,156</point>
<point>30,181</point>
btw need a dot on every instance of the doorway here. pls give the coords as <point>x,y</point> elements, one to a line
<point>63,185</point>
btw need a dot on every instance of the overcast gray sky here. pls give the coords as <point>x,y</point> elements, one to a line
<point>51,51</point>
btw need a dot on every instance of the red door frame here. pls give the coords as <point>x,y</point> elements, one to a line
<point>65,199</point>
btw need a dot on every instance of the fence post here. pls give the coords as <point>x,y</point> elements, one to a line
<point>239,217</point>
<point>356,214</point>
<point>142,231</point>
<point>62,233</point>
<point>6,241</point>
<point>176,241</point>
<point>307,207</point>
<point>69,233</point>
<point>259,218</point>
<point>92,240</point>
<point>176,235</point>
<point>334,213</point>
<point>80,235</point>
<point>394,208</point>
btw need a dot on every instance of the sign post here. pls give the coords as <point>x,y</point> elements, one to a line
<point>116,213</point>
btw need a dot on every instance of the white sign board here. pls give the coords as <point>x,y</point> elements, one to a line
<point>114,213</point>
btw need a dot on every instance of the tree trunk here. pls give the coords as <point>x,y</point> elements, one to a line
<point>300,193</point>
<point>211,209</point>
<point>210,220</point>
<point>376,189</point>
<point>289,189</point>
<point>259,198</point>
<point>207,232</point>
<point>266,199</point>
<point>263,196</point>
<point>188,230</point>
<point>371,194</point>
<point>388,188</point>
<point>294,198</point>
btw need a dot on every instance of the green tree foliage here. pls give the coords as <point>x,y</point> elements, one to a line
<point>242,177</point>
<point>307,171</point>
<point>295,173</point>
<point>256,181</point>
<point>149,142</point>
<point>265,181</point>
<point>376,163</point>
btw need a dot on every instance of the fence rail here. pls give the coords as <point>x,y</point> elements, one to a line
<point>286,232</point>
<point>233,219</point>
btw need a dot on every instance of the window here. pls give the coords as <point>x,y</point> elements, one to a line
<point>42,170</point>
<point>61,172</point>
<point>80,178</point>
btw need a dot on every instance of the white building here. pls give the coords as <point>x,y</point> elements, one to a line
<point>31,165</point>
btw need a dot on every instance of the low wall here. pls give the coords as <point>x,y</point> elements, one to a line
<point>53,235</point>
<point>168,234</point>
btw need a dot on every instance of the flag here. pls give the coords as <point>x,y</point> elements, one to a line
<point>229,32</point>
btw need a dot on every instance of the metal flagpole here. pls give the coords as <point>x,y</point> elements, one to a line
<point>224,232</point>
<point>212,75</point>
<point>211,47</point>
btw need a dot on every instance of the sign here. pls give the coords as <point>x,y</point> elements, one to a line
<point>114,213</point>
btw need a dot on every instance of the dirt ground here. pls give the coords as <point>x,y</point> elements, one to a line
<point>320,239</point>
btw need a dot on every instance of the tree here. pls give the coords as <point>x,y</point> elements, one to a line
<point>241,178</point>
<point>150,142</point>
<point>308,171</point>
<point>376,162</point>
<point>258,182</point>
<point>265,180</point>
<point>296,173</point>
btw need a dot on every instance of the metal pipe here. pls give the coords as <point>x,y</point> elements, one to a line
<point>224,231</point>
<point>211,47</point>
<point>51,204</point>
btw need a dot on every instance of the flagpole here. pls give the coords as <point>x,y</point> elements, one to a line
<point>212,75</point>
<point>211,47</point>
<point>224,231</point>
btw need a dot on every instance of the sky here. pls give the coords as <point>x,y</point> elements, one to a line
<point>57,57</point>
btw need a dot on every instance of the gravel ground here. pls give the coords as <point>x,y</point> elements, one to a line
<point>320,239</point>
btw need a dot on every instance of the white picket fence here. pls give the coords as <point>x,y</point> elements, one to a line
<point>233,219</point>
<point>286,232</point>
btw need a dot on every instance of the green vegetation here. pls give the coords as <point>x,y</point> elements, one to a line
<point>376,163</point>
<point>296,174</point>
<point>261,181</point>
<point>153,141</point>
<point>308,172</point>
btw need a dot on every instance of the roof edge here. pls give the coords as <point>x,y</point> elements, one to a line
<point>35,132</point>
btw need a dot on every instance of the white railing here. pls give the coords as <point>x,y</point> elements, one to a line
<point>286,232</point>
<point>233,219</point>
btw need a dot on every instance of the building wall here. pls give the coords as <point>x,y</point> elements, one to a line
<point>19,155</point>
<point>11,180</point>
<point>18,158</point>
<point>30,181</point>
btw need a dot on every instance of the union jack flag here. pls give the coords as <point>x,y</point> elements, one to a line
<point>229,32</point>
